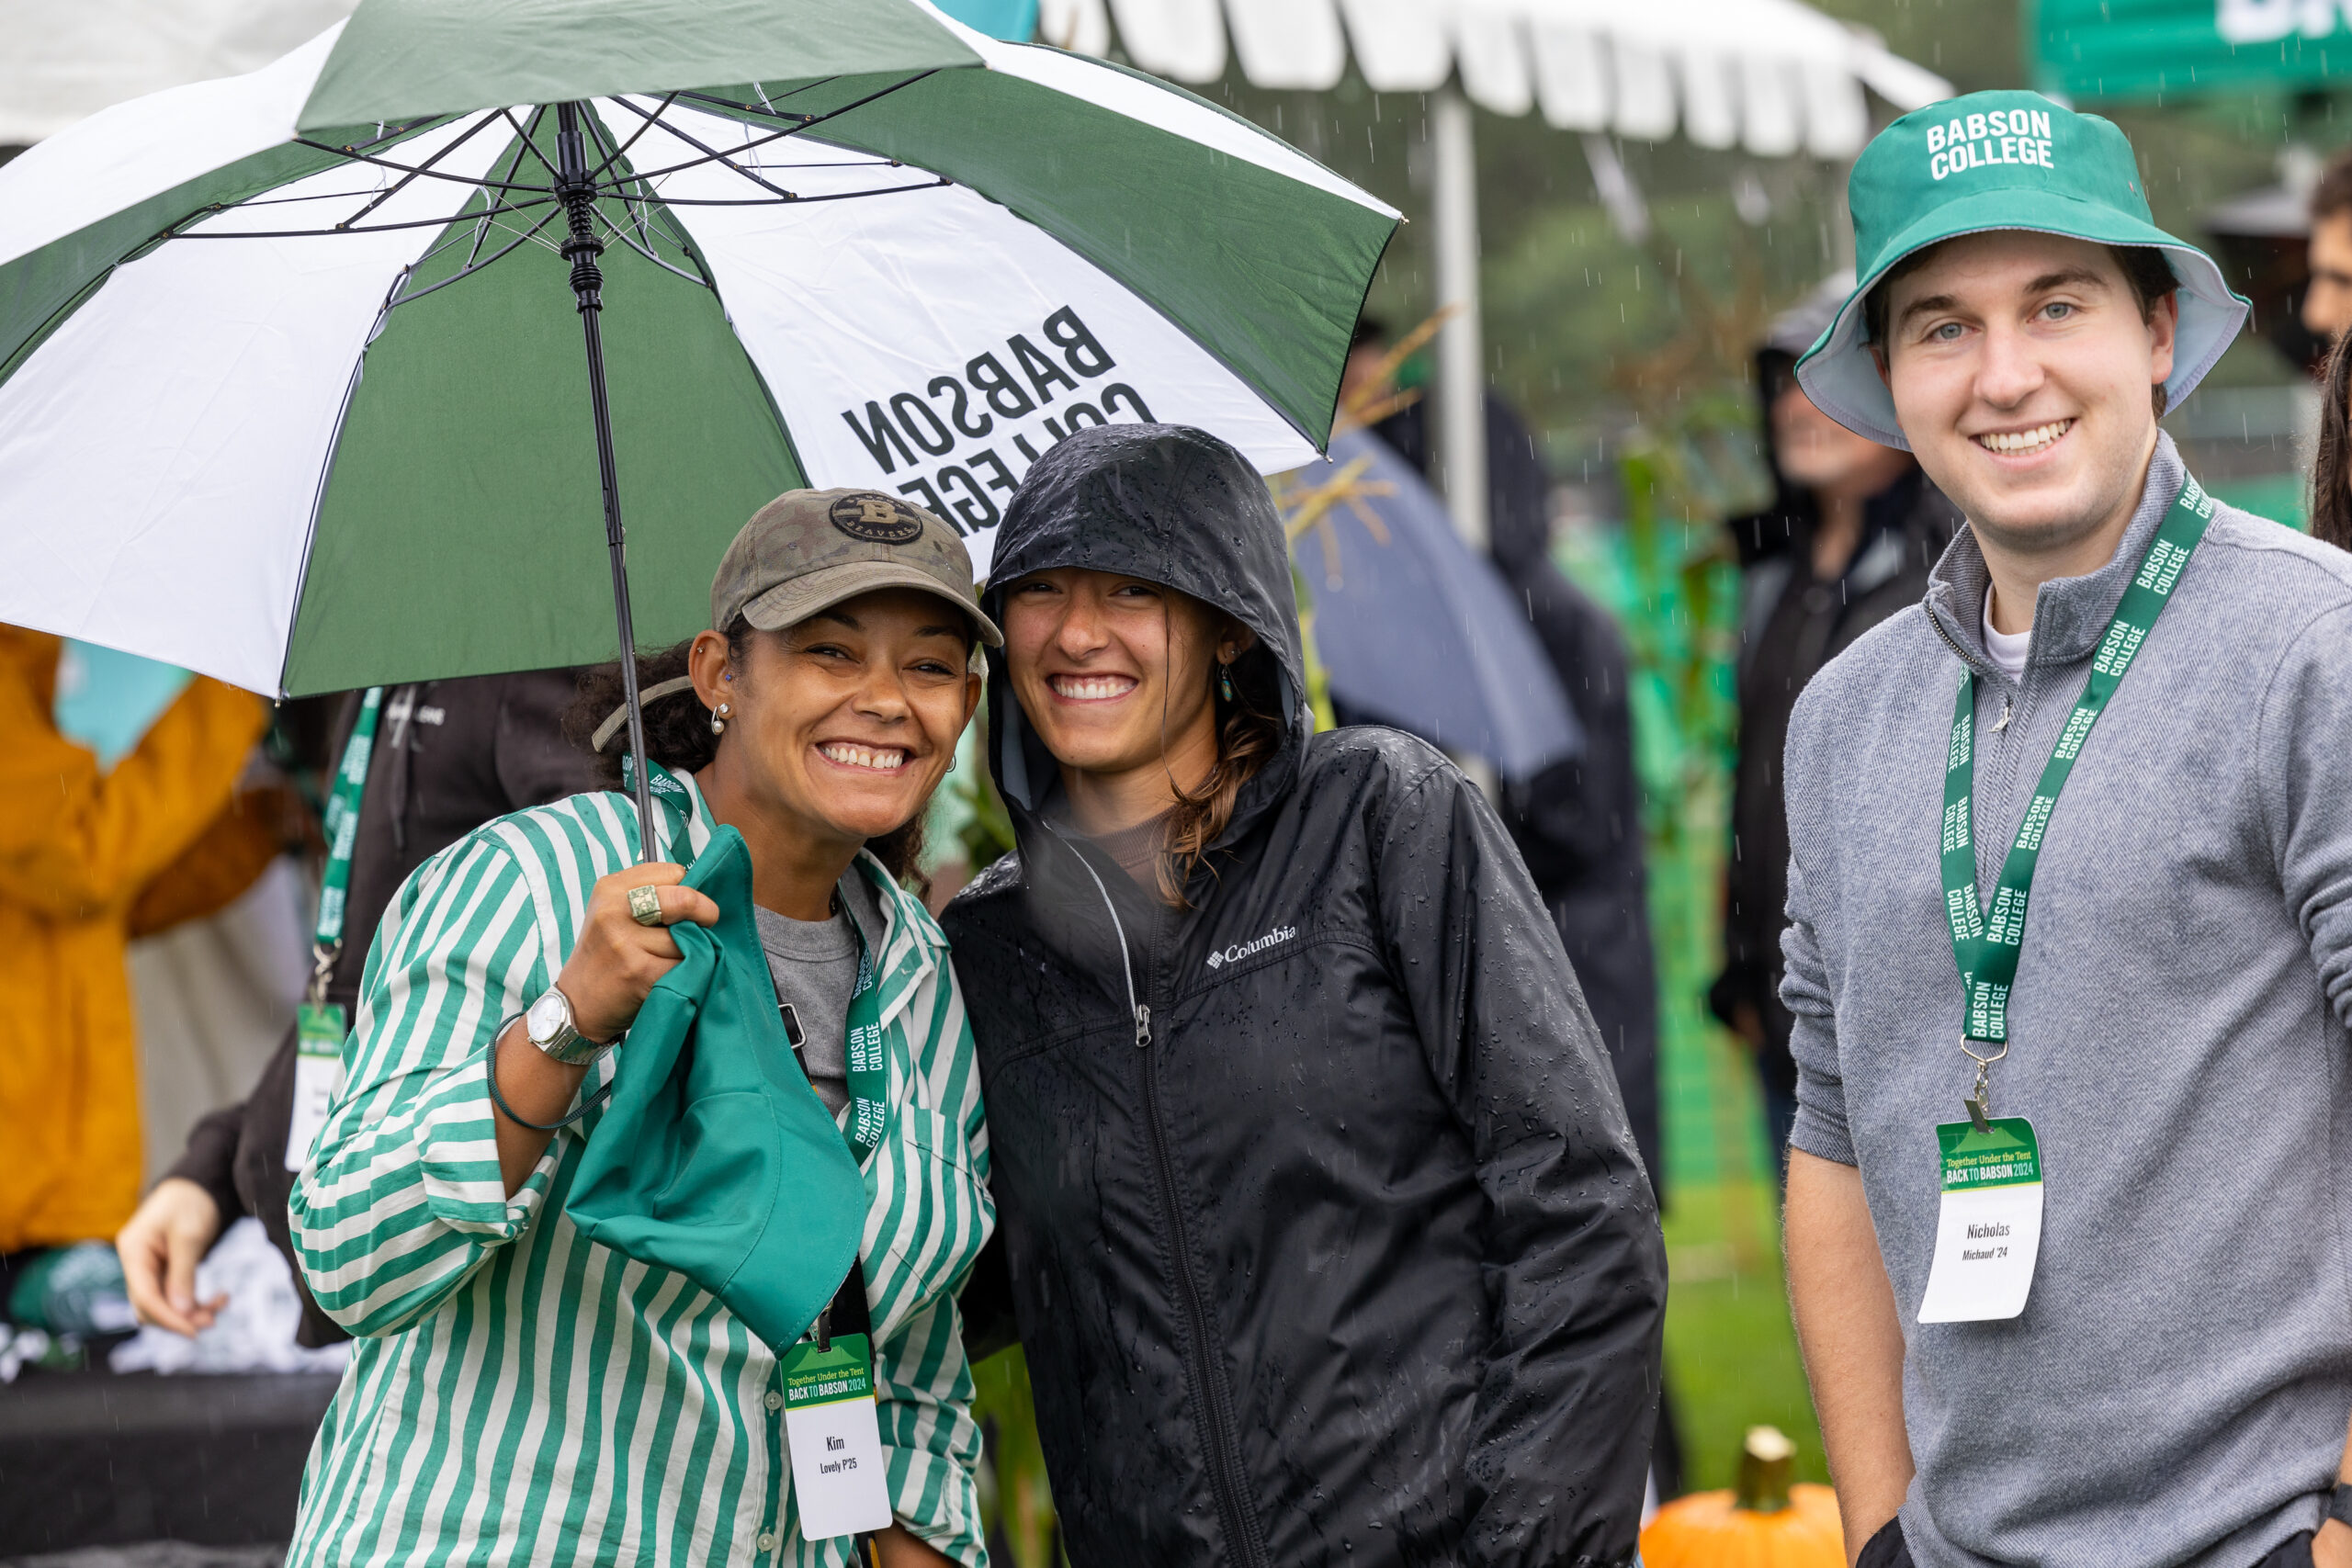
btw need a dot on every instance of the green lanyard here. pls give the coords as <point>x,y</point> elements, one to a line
<point>865,1056</point>
<point>1986,946</point>
<point>342,829</point>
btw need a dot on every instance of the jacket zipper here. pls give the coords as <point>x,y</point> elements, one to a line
<point>1223,1467</point>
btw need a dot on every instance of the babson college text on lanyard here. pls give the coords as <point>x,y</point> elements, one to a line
<point>1989,1229</point>
<point>319,1025</point>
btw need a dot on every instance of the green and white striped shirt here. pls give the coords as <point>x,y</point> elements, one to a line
<point>520,1395</point>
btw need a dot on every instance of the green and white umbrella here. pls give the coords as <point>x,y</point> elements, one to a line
<point>292,385</point>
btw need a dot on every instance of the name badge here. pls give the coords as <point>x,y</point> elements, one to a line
<point>318,1079</point>
<point>830,1422</point>
<point>1990,1228</point>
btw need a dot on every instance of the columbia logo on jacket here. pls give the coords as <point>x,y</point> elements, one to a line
<point>1241,950</point>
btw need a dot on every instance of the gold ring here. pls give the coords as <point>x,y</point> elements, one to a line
<point>645,905</point>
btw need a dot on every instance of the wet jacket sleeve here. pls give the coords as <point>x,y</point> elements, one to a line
<point>74,839</point>
<point>404,1199</point>
<point>1576,1264</point>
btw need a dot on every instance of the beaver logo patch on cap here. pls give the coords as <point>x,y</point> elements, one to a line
<point>876,519</point>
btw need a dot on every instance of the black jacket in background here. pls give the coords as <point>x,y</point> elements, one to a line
<point>1578,823</point>
<point>1791,624</point>
<point>449,756</point>
<point>1333,1247</point>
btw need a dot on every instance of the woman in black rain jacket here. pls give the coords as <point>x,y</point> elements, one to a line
<point>1325,1232</point>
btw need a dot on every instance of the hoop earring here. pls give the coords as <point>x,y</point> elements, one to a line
<point>718,720</point>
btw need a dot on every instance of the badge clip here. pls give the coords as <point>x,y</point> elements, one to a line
<point>1980,1102</point>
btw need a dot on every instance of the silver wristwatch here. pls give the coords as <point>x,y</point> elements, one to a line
<point>550,1027</point>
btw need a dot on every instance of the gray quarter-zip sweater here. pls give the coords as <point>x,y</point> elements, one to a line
<point>2177,1388</point>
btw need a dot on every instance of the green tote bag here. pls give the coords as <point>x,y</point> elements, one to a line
<point>715,1159</point>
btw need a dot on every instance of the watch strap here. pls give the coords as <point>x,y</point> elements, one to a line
<point>2339,1507</point>
<point>499,1099</point>
<point>567,1044</point>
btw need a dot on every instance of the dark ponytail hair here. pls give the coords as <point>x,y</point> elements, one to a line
<point>2331,474</point>
<point>677,734</point>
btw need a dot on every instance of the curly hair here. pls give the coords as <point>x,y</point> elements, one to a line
<point>678,736</point>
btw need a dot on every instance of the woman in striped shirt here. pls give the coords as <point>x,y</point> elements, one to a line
<point>519,1393</point>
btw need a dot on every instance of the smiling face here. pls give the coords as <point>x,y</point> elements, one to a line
<point>2020,365</point>
<point>840,728</point>
<point>1117,675</point>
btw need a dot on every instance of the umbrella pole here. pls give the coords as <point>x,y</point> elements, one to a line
<point>577,191</point>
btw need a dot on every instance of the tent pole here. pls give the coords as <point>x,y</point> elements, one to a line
<point>1461,421</point>
<point>577,191</point>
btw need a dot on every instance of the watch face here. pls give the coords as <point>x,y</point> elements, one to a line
<point>547,1016</point>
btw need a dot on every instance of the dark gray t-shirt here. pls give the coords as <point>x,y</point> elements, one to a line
<point>814,964</point>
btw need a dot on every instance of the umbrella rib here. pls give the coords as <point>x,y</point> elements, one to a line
<point>805,124</point>
<point>402,183</point>
<point>802,200</point>
<point>711,154</point>
<point>522,133</point>
<point>441,223</point>
<point>481,224</point>
<point>766,106</point>
<point>472,266</point>
<point>482,228</point>
<point>631,204</point>
<point>618,154</point>
<point>410,169</point>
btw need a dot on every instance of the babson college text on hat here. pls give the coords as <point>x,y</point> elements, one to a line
<point>1979,140</point>
<point>975,428</point>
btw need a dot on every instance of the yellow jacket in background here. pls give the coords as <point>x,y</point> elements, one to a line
<point>78,850</point>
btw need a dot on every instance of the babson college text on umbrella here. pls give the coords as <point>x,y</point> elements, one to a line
<point>977,427</point>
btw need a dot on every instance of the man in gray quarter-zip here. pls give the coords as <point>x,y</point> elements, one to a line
<point>2070,893</point>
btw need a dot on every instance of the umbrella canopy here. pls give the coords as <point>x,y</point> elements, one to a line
<point>1415,630</point>
<point>291,382</point>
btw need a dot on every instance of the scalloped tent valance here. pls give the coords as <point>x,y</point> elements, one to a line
<point>1773,76</point>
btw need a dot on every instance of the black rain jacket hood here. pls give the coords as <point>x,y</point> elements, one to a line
<point>1323,1226</point>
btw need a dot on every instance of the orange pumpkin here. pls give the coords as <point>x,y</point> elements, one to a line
<point>1766,1523</point>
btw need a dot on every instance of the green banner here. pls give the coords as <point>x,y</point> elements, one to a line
<point>2095,50</point>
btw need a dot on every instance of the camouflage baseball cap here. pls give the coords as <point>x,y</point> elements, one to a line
<point>810,549</point>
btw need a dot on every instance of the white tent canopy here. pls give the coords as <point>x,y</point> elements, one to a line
<point>1774,76</point>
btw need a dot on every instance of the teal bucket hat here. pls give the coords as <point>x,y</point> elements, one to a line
<point>715,1159</point>
<point>2005,160</point>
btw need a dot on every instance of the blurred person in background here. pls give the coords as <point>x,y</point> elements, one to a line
<point>1578,824</point>
<point>1848,541</point>
<point>89,859</point>
<point>448,756</point>
<point>2327,296</point>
